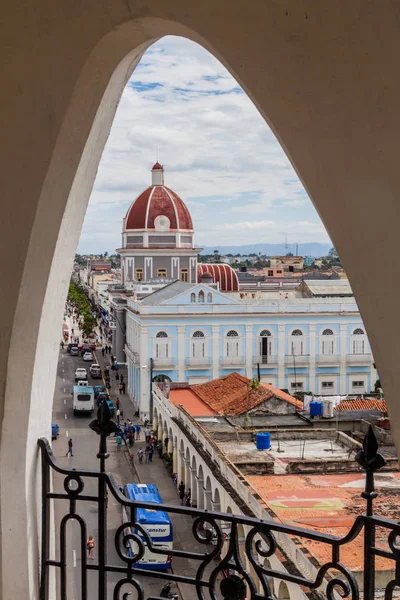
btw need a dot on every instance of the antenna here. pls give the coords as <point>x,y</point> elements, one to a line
<point>297,249</point>
<point>286,246</point>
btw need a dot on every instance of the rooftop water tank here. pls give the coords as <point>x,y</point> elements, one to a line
<point>263,441</point>
<point>327,408</point>
<point>315,409</point>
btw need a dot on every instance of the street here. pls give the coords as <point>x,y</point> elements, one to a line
<point>85,448</point>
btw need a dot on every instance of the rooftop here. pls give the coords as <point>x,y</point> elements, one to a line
<point>190,402</point>
<point>363,404</point>
<point>233,394</point>
<point>330,503</point>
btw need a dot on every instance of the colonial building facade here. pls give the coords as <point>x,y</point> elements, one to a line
<point>193,332</point>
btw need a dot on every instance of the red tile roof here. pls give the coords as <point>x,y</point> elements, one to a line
<point>283,395</point>
<point>233,395</point>
<point>364,404</point>
<point>190,402</point>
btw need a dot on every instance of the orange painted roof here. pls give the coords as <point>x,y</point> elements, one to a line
<point>364,404</point>
<point>190,402</point>
<point>233,394</point>
<point>329,504</point>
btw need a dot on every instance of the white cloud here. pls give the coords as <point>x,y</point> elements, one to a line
<point>219,154</point>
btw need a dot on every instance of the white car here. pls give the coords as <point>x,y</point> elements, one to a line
<point>80,374</point>
<point>88,357</point>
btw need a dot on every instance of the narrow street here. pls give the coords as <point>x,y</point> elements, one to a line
<point>85,448</point>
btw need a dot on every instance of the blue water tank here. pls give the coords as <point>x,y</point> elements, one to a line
<point>315,409</point>
<point>263,441</point>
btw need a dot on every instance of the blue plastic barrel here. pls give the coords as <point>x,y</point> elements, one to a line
<point>315,409</point>
<point>263,441</point>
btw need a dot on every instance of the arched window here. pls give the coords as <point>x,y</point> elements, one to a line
<point>161,349</point>
<point>232,343</point>
<point>296,343</point>
<point>209,297</point>
<point>327,342</point>
<point>192,297</point>
<point>358,341</point>
<point>201,297</point>
<point>198,345</point>
<point>265,345</point>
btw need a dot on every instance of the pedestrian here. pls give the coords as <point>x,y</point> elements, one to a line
<point>120,387</point>
<point>188,498</point>
<point>130,439</point>
<point>112,359</point>
<point>72,330</point>
<point>117,403</point>
<point>147,434</point>
<point>116,375</point>
<point>119,442</point>
<point>147,454</point>
<point>151,451</point>
<point>152,439</point>
<point>62,345</point>
<point>140,455</point>
<point>102,351</point>
<point>70,446</point>
<point>116,365</point>
<point>90,547</point>
<point>118,415</point>
<point>122,379</point>
<point>123,387</point>
<point>137,429</point>
<point>181,490</point>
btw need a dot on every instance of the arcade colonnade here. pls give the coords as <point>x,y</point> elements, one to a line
<point>208,493</point>
<point>324,75</point>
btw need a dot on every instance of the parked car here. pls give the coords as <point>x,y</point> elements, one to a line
<point>95,371</point>
<point>55,431</point>
<point>69,347</point>
<point>111,406</point>
<point>88,356</point>
<point>92,346</point>
<point>80,374</point>
<point>83,383</point>
<point>74,351</point>
<point>98,389</point>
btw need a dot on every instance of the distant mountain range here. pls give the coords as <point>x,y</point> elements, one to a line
<point>309,249</point>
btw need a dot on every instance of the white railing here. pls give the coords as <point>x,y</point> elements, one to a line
<point>264,360</point>
<point>162,363</point>
<point>359,359</point>
<point>296,360</point>
<point>327,359</point>
<point>198,361</point>
<point>233,360</point>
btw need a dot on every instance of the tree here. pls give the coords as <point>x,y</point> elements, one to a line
<point>105,254</point>
<point>332,252</point>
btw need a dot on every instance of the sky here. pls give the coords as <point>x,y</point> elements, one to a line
<point>183,108</point>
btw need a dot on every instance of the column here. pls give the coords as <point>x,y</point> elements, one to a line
<point>312,358</point>
<point>249,351</point>
<point>144,374</point>
<point>200,492</point>
<point>215,351</point>
<point>181,353</point>
<point>170,447</point>
<point>160,432</point>
<point>181,467</point>
<point>207,499</point>
<point>119,335</point>
<point>281,355</point>
<point>343,359</point>
<point>193,486</point>
<point>175,460</point>
<point>155,424</point>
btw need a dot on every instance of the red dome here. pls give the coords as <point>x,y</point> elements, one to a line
<point>222,273</point>
<point>157,167</point>
<point>155,201</point>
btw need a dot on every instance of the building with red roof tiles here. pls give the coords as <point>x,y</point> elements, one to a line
<point>222,274</point>
<point>157,238</point>
<point>234,395</point>
<point>363,404</point>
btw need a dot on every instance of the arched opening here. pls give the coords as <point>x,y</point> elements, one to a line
<point>327,342</point>
<point>200,297</point>
<point>188,479</point>
<point>200,488</point>
<point>232,349</point>
<point>193,486</point>
<point>216,501</point>
<point>296,343</point>
<point>81,116</point>
<point>283,591</point>
<point>265,345</point>
<point>208,494</point>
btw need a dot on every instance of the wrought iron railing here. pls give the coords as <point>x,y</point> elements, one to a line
<point>221,569</point>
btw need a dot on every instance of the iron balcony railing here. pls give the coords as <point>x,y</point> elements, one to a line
<point>221,567</point>
<point>231,361</point>
<point>327,359</point>
<point>199,361</point>
<point>359,359</point>
<point>164,363</point>
<point>265,359</point>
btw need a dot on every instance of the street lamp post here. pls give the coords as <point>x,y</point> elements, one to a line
<point>151,366</point>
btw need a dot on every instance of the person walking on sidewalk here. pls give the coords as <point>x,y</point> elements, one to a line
<point>123,386</point>
<point>140,455</point>
<point>90,547</point>
<point>147,434</point>
<point>118,415</point>
<point>137,429</point>
<point>119,442</point>
<point>102,350</point>
<point>70,445</point>
<point>181,490</point>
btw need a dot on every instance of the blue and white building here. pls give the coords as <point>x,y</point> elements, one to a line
<point>193,332</point>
